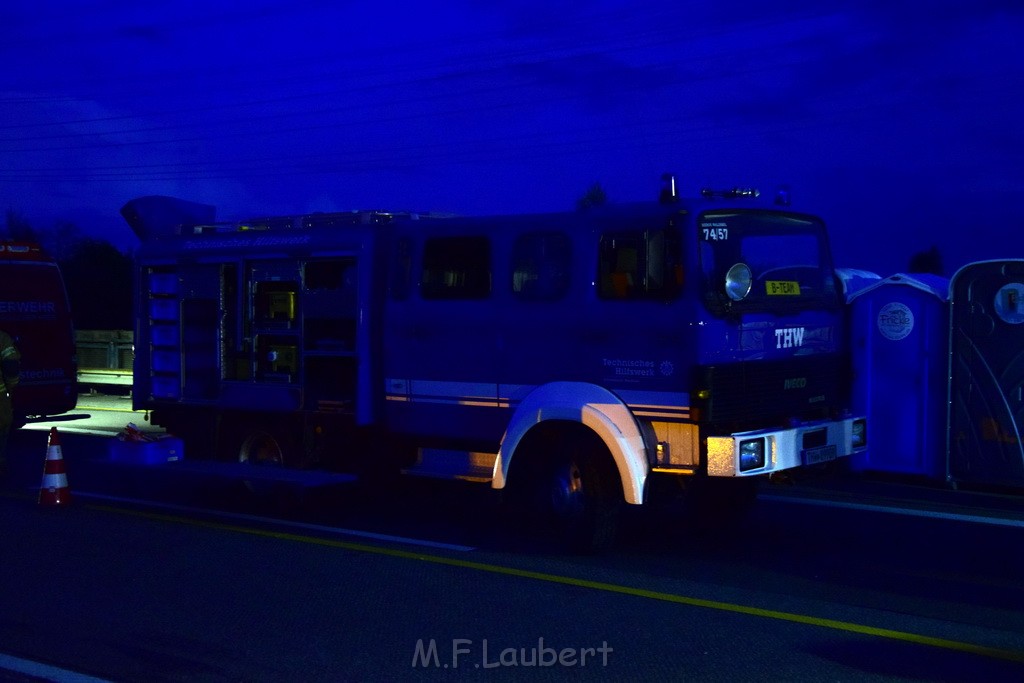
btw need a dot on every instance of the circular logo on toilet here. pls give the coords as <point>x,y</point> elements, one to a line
<point>895,321</point>
<point>1009,303</point>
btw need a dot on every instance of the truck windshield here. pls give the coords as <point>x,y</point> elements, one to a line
<point>786,259</point>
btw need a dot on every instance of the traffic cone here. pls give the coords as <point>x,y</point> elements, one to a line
<point>54,489</point>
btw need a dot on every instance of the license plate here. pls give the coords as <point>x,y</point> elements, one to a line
<point>813,456</point>
<point>782,287</point>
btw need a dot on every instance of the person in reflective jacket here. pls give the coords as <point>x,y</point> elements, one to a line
<point>10,371</point>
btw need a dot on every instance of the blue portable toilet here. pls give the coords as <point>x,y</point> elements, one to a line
<point>986,399</point>
<point>853,280</point>
<point>900,345</point>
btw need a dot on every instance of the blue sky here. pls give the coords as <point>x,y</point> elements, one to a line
<point>901,123</point>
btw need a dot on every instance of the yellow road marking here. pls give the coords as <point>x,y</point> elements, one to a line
<point>109,410</point>
<point>835,624</point>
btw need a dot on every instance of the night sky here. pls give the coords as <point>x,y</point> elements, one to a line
<point>901,123</point>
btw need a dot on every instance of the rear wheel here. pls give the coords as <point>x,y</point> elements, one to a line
<point>263,451</point>
<point>261,448</point>
<point>262,439</point>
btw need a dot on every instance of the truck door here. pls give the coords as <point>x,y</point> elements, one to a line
<point>200,327</point>
<point>329,348</point>
<point>442,341</point>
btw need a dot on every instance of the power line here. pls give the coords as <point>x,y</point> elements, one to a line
<point>288,164</point>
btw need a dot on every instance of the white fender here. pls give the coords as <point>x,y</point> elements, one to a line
<point>590,405</point>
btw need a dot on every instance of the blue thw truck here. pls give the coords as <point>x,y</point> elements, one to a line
<point>571,360</point>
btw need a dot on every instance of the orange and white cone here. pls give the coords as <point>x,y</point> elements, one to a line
<point>54,489</point>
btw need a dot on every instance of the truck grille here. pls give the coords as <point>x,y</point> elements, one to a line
<point>756,394</point>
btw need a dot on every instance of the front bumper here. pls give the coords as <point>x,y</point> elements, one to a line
<point>808,444</point>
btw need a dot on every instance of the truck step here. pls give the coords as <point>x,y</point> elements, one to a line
<point>449,464</point>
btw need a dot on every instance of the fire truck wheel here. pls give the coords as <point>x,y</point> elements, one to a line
<point>261,448</point>
<point>582,498</point>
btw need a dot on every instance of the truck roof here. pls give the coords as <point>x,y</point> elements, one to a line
<point>160,217</point>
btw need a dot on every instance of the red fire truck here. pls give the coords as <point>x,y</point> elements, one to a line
<point>34,311</point>
<point>571,360</point>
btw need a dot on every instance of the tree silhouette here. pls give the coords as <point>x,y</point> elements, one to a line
<point>929,261</point>
<point>98,278</point>
<point>17,228</point>
<point>62,241</point>
<point>594,196</point>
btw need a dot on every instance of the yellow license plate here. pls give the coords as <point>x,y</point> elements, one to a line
<point>782,288</point>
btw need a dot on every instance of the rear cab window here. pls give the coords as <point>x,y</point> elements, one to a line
<point>640,264</point>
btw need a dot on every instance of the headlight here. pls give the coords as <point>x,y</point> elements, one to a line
<point>860,433</point>
<point>751,454</point>
<point>738,281</point>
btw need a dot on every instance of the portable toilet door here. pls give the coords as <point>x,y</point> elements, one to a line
<point>986,405</point>
<point>900,347</point>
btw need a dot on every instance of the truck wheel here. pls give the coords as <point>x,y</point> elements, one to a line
<point>261,448</point>
<point>583,500</point>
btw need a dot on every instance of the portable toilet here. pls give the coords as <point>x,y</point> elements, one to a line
<point>900,347</point>
<point>986,406</point>
<point>853,280</point>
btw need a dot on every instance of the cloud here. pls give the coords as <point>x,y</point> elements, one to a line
<point>472,106</point>
<point>146,33</point>
<point>599,80</point>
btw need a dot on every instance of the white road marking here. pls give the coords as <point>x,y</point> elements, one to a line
<point>44,672</point>
<point>339,531</point>
<point>909,512</point>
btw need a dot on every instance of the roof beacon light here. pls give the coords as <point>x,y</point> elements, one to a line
<point>668,190</point>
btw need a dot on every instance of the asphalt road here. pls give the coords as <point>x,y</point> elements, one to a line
<point>187,572</point>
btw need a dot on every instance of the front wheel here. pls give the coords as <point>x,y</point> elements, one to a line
<point>583,498</point>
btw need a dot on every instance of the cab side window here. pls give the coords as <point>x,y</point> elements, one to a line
<point>456,268</point>
<point>540,266</point>
<point>640,264</point>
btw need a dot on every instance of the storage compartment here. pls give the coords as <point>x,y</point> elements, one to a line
<point>283,358</point>
<point>164,309</point>
<point>276,302</point>
<point>163,450</point>
<point>281,305</point>
<point>164,335</point>
<point>163,284</point>
<point>166,387</point>
<point>167,361</point>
